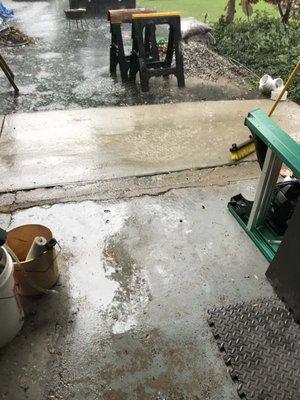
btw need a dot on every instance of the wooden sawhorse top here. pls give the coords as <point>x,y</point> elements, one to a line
<point>125,15</point>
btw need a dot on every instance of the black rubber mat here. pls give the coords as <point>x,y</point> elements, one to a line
<point>260,342</point>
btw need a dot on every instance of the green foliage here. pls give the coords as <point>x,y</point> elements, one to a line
<point>264,45</point>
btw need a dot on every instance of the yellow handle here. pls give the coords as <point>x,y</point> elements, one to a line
<point>286,86</point>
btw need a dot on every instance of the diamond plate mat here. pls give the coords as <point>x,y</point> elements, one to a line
<point>260,342</point>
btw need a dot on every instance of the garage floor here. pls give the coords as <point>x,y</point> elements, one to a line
<point>129,319</point>
<point>144,254</point>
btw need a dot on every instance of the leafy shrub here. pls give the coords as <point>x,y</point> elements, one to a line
<point>264,45</point>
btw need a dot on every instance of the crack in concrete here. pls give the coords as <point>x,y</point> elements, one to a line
<point>86,182</point>
<point>162,192</point>
<point>50,204</point>
<point>10,214</point>
<point>126,188</point>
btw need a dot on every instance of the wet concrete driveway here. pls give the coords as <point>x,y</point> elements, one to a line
<point>88,145</point>
<point>129,319</point>
<point>71,69</point>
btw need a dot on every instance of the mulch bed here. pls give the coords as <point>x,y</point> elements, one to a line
<point>204,63</point>
<point>14,37</point>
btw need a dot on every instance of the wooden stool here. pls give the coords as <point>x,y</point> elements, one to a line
<point>148,66</point>
<point>9,74</point>
<point>117,53</point>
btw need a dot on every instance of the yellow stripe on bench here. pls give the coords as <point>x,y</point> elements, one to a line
<point>157,15</point>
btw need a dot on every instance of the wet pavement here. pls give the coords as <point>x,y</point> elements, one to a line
<point>129,319</point>
<point>80,146</point>
<point>142,257</point>
<point>70,69</point>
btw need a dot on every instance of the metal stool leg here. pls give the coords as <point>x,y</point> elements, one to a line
<point>3,62</point>
<point>8,73</point>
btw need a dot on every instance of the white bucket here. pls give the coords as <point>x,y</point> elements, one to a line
<point>11,311</point>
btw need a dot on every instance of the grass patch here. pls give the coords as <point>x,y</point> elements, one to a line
<point>198,8</point>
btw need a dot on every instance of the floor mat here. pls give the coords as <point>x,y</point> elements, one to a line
<point>260,342</point>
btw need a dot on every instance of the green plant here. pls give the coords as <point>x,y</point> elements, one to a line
<point>263,44</point>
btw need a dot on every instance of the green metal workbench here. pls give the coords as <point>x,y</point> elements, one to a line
<point>281,149</point>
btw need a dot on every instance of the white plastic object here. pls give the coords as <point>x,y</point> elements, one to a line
<point>278,83</point>
<point>267,84</point>
<point>11,311</point>
<point>276,93</point>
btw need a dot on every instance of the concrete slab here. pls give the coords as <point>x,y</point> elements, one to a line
<point>129,319</point>
<point>63,147</point>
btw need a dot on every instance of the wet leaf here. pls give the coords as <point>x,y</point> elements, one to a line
<point>23,383</point>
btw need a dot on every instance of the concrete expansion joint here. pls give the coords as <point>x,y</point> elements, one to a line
<point>150,175</point>
<point>126,187</point>
<point>13,208</point>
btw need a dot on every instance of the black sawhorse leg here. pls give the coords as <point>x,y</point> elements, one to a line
<point>117,53</point>
<point>178,54</point>
<point>151,66</point>
<point>151,48</point>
